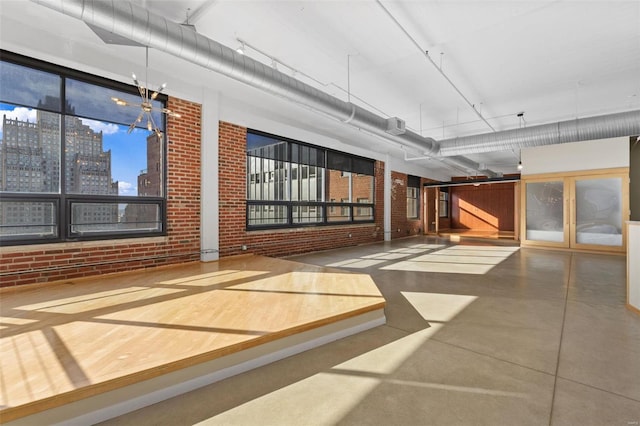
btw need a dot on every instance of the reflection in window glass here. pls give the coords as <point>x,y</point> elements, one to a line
<point>349,187</point>
<point>267,214</point>
<point>307,183</point>
<point>307,214</point>
<point>362,187</point>
<point>91,101</point>
<point>412,202</point>
<point>339,185</point>
<point>95,156</point>
<point>29,150</point>
<point>103,159</point>
<point>19,220</point>
<point>443,203</point>
<point>300,177</point>
<point>267,179</point>
<point>363,213</point>
<point>339,214</point>
<point>110,217</point>
<point>29,87</point>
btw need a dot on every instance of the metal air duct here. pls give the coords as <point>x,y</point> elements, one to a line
<point>579,129</point>
<point>141,26</point>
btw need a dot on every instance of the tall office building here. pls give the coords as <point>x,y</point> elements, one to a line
<point>147,216</point>
<point>30,159</point>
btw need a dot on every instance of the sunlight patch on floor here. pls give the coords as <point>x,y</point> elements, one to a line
<point>439,267</point>
<point>438,307</point>
<point>456,260</point>
<point>388,358</point>
<point>427,246</point>
<point>211,278</point>
<point>356,263</point>
<point>387,256</point>
<point>90,301</point>
<point>334,393</point>
<point>325,398</point>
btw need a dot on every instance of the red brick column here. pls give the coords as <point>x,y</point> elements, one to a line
<point>401,226</point>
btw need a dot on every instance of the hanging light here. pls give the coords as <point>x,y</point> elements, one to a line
<point>146,105</point>
<point>519,165</point>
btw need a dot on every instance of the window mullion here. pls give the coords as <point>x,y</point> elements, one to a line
<point>64,217</point>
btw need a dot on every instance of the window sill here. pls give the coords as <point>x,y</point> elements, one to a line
<point>82,244</point>
<point>311,228</point>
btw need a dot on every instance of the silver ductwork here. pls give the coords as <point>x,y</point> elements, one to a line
<point>135,23</point>
<point>141,26</point>
<point>579,129</point>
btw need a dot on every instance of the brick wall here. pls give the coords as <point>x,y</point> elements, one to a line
<point>65,261</point>
<point>401,226</point>
<point>281,242</point>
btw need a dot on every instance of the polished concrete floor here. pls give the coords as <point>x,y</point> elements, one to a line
<point>475,335</point>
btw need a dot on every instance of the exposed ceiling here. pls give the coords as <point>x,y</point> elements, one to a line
<point>550,60</point>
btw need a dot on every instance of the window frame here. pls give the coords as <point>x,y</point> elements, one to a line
<point>443,201</point>
<point>64,199</point>
<point>325,206</point>
<point>413,182</point>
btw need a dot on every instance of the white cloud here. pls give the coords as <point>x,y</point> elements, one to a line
<point>126,188</point>
<point>20,113</point>
<point>97,126</point>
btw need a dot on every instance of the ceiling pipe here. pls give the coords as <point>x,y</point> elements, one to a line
<point>621,124</point>
<point>438,68</point>
<point>142,26</point>
<point>136,23</point>
<point>579,129</point>
<point>474,182</point>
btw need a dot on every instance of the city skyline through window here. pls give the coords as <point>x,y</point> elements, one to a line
<point>128,151</point>
<point>69,166</point>
<point>291,183</point>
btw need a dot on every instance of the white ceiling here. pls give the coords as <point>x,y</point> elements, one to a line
<point>552,60</point>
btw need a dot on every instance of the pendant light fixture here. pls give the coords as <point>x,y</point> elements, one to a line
<point>146,104</point>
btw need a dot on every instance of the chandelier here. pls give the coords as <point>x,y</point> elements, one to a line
<point>146,104</point>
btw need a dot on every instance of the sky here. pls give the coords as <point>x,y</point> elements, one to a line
<point>128,151</point>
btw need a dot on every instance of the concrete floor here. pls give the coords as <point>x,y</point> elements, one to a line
<point>475,335</point>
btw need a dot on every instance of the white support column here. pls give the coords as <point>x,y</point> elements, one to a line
<point>387,199</point>
<point>209,201</point>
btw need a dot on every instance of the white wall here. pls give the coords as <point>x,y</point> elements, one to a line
<point>633,242</point>
<point>209,201</point>
<point>576,156</point>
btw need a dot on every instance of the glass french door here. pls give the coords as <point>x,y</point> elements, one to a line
<point>545,212</point>
<point>582,212</point>
<point>598,204</point>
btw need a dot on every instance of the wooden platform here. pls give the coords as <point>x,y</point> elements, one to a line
<point>160,332</point>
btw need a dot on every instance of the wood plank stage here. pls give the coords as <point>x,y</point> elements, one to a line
<point>70,341</point>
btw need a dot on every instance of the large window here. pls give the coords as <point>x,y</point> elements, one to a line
<point>413,197</point>
<point>290,183</point>
<point>70,169</point>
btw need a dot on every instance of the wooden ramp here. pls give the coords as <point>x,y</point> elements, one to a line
<point>91,349</point>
